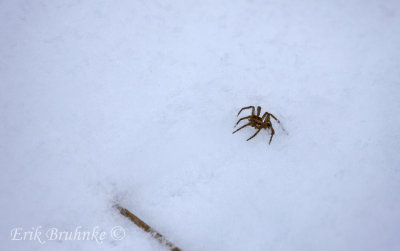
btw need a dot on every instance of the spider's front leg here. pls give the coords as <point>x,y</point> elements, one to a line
<point>241,120</point>
<point>258,111</point>
<point>275,118</point>
<point>248,107</point>
<point>266,117</point>
<point>242,127</point>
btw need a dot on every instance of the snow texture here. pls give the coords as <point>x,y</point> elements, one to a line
<point>134,102</point>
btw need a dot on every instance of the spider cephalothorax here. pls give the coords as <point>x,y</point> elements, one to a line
<point>258,122</point>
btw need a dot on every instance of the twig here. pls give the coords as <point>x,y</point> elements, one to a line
<point>141,224</point>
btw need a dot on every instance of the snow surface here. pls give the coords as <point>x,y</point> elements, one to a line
<point>134,102</point>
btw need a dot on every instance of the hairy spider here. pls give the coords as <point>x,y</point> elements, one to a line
<point>258,122</point>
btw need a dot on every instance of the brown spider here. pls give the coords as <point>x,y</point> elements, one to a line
<point>258,122</point>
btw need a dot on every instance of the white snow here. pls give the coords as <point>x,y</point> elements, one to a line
<point>134,102</point>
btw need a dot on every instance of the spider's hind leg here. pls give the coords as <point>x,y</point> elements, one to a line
<point>254,134</point>
<point>272,135</point>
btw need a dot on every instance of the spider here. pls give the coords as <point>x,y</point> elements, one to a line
<point>258,122</point>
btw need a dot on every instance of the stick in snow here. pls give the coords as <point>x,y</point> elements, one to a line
<point>141,224</point>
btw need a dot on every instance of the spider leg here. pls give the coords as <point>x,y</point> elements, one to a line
<point>254,134</point>
<point>241,120</point>
<point>263,116</point>
<point>258,111</point>
<point>242,127</point>
<point>248,107</point>
<point>275,118</point>
<point>272,135</point>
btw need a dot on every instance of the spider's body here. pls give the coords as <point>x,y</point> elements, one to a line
<point>258,122</point>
